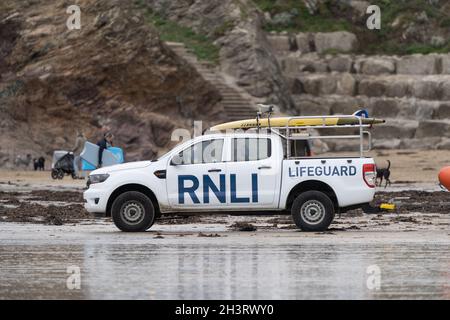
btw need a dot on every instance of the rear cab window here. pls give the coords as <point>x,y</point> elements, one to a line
<point>250,149</point>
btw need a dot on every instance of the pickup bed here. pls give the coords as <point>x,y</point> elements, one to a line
<point>231,172</point>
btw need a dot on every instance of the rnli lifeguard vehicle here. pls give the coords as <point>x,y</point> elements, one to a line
<point>256,165</point>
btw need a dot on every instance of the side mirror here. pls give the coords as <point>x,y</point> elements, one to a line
<point>176,160</point>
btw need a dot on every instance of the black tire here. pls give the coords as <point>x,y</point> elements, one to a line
<point>54,174</point>
<point>60,174</point>
<point>129,204</point>
<point>312,211</point>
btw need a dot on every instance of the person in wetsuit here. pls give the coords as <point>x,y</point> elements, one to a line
<point>103,144</point>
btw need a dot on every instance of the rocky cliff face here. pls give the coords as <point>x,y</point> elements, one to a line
<point>113,73</point>
<point>245,54</point>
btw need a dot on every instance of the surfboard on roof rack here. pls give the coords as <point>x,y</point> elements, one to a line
<point>278,122</point>
<point>359,118</point>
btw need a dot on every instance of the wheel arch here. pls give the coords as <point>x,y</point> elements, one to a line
<point>311,185</point>
<point>132,187</point>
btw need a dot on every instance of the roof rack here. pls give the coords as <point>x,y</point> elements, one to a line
<point>286,127</point>
<point>290,131</point>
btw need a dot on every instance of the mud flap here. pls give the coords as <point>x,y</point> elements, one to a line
<point>367,208</point>
<point>384,207</point>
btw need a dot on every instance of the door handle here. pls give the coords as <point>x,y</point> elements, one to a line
<point>214,170</point>
<point>264,167</point>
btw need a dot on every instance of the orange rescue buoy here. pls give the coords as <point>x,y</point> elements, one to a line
<point>444,177</point>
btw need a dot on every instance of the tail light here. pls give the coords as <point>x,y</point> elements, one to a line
<point>369,174</point>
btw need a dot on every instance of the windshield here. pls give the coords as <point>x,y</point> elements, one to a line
<point>179,146</point>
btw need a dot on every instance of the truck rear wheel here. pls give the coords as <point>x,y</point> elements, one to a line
<point>133,211</point>
<point>312,211</point>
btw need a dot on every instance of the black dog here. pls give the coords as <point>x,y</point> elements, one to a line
<point>39,164</point>
<point>384,173</point>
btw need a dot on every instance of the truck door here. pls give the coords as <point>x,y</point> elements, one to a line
<point>196,177</point>
<point>253,170</point>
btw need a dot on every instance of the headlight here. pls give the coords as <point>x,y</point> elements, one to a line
<point>97,178</point>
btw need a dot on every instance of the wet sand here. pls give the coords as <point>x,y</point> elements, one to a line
<point>44,230</point>
<point>208,257</point>
<point>180,262</point>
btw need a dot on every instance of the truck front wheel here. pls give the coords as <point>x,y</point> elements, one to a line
<point>133,211</point>
<point>312,211</point>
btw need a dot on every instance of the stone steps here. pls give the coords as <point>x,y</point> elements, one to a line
<point>239,112</point>
<point>404,134</point>
<point>410,123</point>
<point>417,64</point>
<point>235,105</point>
<point>341,41</point>
<point>432,87</point>
<point>412,92</point>
<point>404,108</point>
<point>233,117</point>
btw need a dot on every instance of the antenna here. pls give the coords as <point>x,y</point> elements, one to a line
<point>265,109</point>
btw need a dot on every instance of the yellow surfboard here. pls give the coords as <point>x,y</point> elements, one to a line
<point>297,122</point>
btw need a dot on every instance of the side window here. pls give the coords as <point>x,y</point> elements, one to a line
<point>299,148</point>
<point>209,151</point>
<point>250,149</point>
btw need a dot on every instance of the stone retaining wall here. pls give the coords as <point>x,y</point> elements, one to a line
<point>411,92</point>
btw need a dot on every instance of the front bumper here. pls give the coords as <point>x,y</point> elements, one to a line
<point>96,199</point>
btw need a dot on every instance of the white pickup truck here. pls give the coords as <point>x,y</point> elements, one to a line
<point>233,172</point>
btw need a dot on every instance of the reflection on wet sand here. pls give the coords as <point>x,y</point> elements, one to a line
<point>225,271</point>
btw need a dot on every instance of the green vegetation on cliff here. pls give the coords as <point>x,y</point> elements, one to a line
<point>292,15</point>
<point>201,45</point>
<point>407,27</point>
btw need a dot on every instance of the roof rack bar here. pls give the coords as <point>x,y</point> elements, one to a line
<point>323,118</point>
<point>356,136</point>
<point>343,126</point>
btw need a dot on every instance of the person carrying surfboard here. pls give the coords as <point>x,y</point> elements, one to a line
<point>103,144</point>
